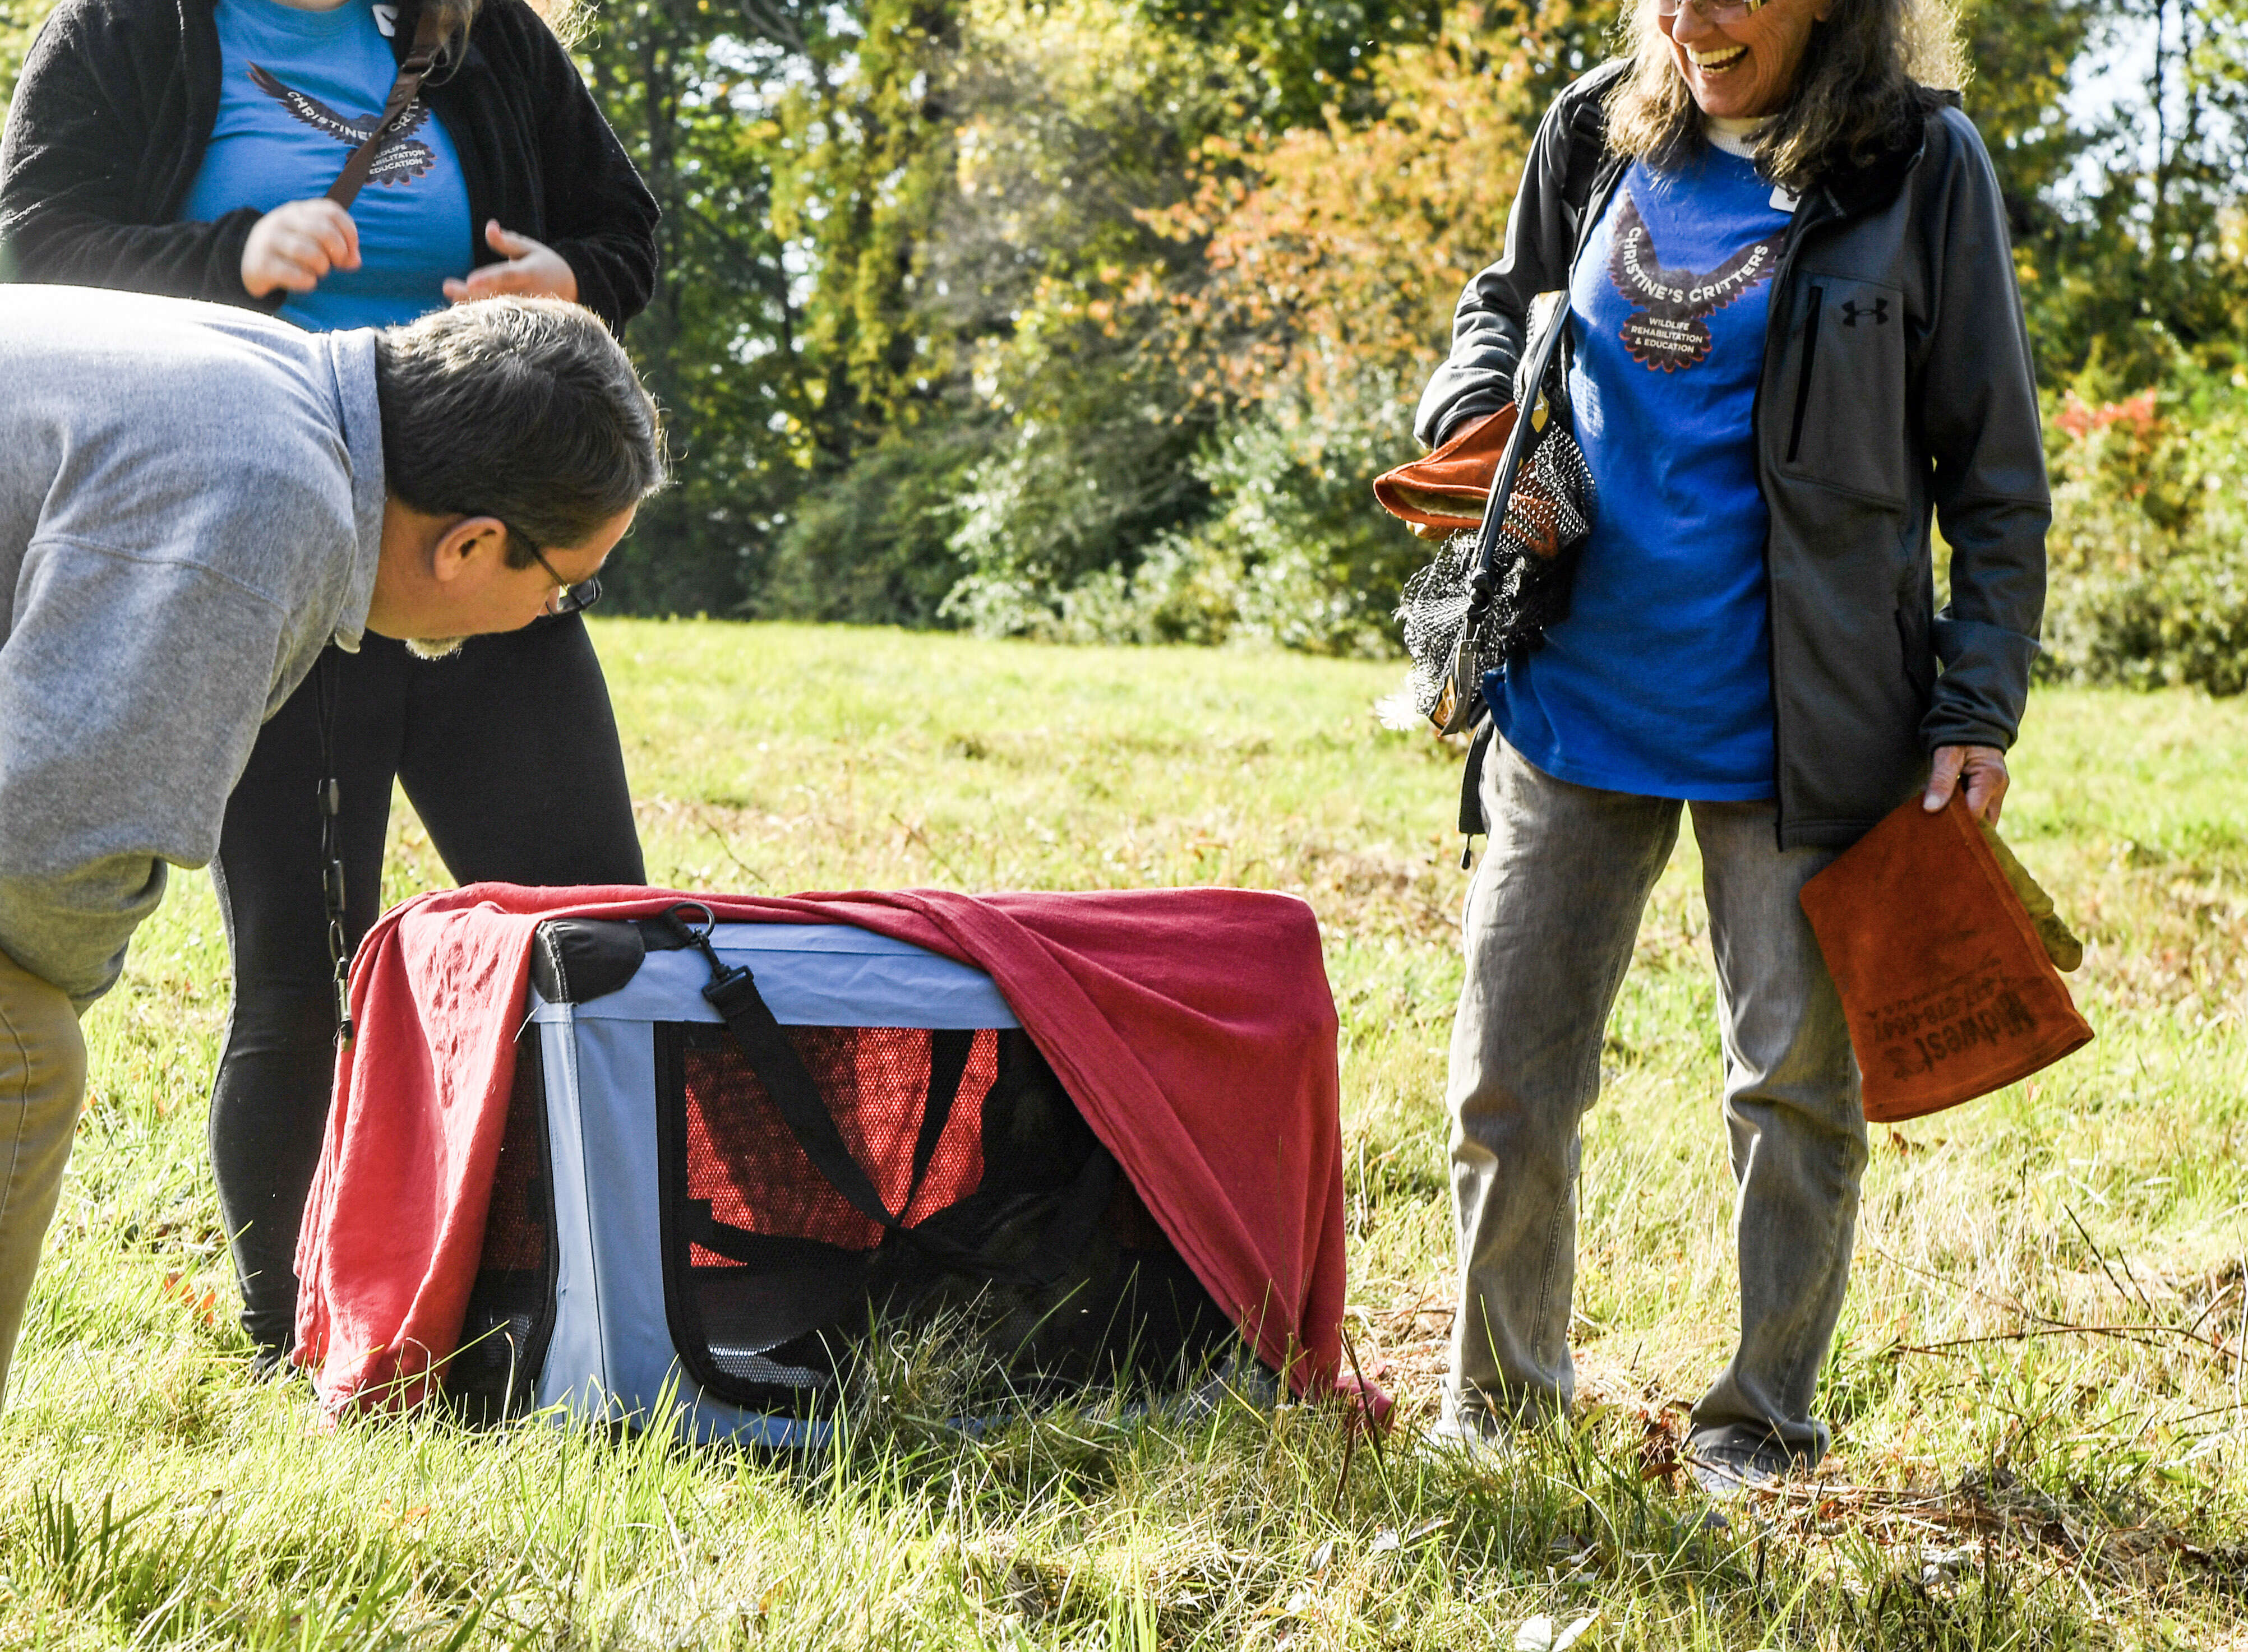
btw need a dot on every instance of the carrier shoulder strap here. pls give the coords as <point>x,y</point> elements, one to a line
<point>733,993</point>
<point>1588,152</point>
<point>429,40</point>
<point>948,1051</point>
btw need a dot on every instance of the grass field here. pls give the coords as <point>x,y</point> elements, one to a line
<point>2036,1388</point>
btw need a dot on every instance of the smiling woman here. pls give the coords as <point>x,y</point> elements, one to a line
<point>1790,309</point>
<point>1691,60</point>
<point>1740,59</point>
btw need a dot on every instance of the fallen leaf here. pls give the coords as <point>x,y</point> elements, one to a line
<point>1539,1633</point>
<point>183,1290</point>
<point>1389,1540</point>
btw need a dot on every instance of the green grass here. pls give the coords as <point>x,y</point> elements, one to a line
<point>2063,1488</point>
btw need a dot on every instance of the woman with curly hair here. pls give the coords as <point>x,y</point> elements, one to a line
<point>1793,335</point>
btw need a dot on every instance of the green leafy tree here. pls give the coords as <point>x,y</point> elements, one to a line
<point>866,172</point>
<point>19,21</point>
<point>695,96</point>
<point>1296,59</point>
<point>790,145</point>
<point>1076,125</point>
<point>2025,54</point>
<point>2127,225</point>
<point>1325,264</point>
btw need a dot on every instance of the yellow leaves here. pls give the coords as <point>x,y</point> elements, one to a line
<point>1337,251</point>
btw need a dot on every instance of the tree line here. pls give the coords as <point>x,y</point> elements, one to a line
<point>1092,319</point>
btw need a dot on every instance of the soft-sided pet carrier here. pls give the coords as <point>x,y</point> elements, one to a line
<point>736,1155</point>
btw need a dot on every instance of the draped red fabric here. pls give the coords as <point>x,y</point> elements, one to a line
<point>1193,1028</point>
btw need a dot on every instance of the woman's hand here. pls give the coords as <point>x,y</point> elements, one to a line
<point>1984,770</point>
<point>532,267</point>
<point>297,244</point>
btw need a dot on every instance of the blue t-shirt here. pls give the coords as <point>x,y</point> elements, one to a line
<point>298,92</point>
<point>1659,682</point>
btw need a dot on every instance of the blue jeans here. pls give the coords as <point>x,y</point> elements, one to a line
<point>1551,916</point>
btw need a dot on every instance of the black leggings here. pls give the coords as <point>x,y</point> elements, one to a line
<point>509,752</point>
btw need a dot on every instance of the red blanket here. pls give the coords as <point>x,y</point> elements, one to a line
<point>1195,1027</point>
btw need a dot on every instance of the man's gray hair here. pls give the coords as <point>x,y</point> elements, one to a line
<point>525,409</point>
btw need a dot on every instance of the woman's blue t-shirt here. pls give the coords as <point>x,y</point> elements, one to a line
<point>1659,681</point>
<point>298,92</point>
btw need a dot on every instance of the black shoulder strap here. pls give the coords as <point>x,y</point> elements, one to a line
<point>1472,824</point>
<point>948,1051</point>
<point>1589,147</point>
<point>795,1095</point>
<point>733,993</point>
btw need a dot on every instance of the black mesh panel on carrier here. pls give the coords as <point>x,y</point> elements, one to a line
<point>1010,1223</point>
<point>744,1165</point>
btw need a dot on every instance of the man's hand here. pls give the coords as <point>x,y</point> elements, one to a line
<point>532,268</point>
<point>1983,768</point>
<point>297,244</point>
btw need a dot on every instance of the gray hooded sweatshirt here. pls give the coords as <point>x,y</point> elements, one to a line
<point>190,510</point>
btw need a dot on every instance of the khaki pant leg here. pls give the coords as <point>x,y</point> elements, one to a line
<point>1548,931</point>
<point>41,1091</point>
<point>1798,1131</point>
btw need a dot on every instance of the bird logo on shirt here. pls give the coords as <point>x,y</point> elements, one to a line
<point>1667,330</point>
<point>401,159</point>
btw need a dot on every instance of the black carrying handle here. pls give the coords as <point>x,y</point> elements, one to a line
<point>733,993</point>
<point>1529,385</point>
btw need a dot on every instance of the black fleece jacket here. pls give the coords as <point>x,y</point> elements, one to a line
<point>116,104</point>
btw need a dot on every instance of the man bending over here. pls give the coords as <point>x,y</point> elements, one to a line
<point>195,500</point>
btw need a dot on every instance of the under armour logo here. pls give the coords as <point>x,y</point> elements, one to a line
<point>1879,309</point>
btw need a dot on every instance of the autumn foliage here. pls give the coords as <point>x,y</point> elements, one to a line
<point>1336,252</point>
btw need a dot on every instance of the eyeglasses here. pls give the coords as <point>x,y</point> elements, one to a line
<point>1708,11</point>
<point>569,598</point>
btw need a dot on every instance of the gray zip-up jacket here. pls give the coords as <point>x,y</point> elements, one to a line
<point>1896,382</point>
<point>190,508</point>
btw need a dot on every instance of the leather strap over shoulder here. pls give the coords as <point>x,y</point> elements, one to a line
<point>1472,823</point>
<point>429,41</point>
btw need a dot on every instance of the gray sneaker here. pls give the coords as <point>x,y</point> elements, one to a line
<point>1728,1473</point>
<point>1473,1440</point>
